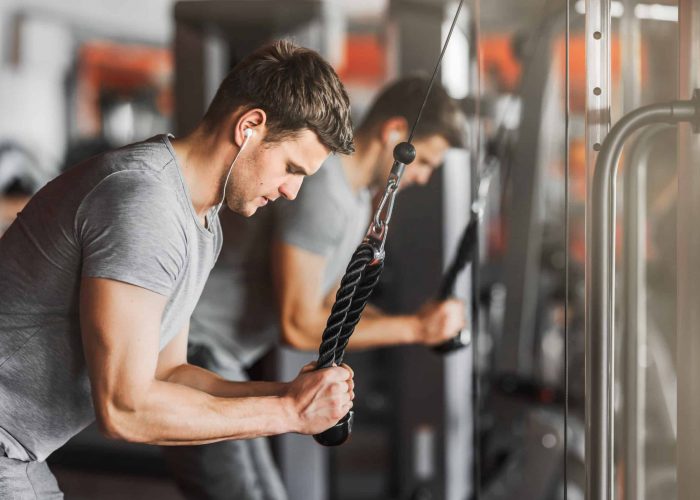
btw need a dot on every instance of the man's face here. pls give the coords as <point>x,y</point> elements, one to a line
<point>266,171</point>
<point>430,152</point>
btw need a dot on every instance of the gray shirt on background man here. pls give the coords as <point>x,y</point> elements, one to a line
<point>126,215</point>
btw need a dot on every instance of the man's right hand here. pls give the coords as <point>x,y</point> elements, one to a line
<point>320,398</point>
<point>440,321</point>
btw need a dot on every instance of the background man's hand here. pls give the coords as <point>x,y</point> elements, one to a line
<point>320,398</point>
<point>440,321</point>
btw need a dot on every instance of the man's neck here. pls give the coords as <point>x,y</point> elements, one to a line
<point>203,157</point>
<point>360,168</point>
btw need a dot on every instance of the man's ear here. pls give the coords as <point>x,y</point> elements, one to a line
<point>393,131</point>
<point>254,120</point>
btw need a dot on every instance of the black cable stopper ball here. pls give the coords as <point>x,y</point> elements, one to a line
<point>337,434</point>
<point>404,152</point>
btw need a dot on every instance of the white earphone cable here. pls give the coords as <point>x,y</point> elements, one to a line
<point>248,133</point>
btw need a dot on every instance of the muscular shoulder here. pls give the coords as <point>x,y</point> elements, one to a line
<point>127,193</point>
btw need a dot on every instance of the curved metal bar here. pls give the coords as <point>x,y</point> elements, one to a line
<point>634,292</point>
<point>600,291</point>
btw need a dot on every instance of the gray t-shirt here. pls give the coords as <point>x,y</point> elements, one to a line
<point>237,315</point>
<point>125,215</point>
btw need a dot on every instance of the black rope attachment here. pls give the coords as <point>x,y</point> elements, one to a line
<point>360,278</point>
<point>350,300</point>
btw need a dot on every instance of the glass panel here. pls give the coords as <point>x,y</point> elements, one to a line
<point>521,340</point>
<point>642,43</point>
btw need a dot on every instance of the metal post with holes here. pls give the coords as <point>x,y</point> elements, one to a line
<point>598,447</point>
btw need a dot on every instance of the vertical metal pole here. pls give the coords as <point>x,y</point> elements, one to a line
<point>635,323</point>
<point>457,184</point>
<point>688,329</point>
<point>458,368</point>
<point>633,381</point>
<point>598,443</point>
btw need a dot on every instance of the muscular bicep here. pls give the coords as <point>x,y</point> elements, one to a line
<point>120,325</point>
<point>297,276</point>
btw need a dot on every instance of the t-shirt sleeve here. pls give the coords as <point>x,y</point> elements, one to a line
<point>313,221</point>
<point>129,231</point>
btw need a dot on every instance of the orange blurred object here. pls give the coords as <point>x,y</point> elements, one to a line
<point>120,68</point>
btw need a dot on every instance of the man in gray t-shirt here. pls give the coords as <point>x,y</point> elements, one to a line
<point>102,270</point>
<point>277,276</point>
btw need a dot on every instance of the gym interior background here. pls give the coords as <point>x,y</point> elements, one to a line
<point>542,83</point>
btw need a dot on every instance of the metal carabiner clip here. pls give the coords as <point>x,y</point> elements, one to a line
<point>379,226</point>
<point>404,153</point>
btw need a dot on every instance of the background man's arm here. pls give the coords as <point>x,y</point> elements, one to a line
<point>304,311</point>
<point>120,326</point>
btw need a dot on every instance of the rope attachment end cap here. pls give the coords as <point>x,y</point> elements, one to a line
<point>337,434</point>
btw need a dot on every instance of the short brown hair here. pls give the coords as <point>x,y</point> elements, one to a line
<point>295,87</point>
<point>441,116</point>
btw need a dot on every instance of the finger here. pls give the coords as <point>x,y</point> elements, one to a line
<point>338,388</point>
<point>336,374</point>
<point>347,367</point>
<point>308,367</point>
<point>338,402</point>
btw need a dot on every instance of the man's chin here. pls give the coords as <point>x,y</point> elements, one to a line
<point>249,211</point>
<point>245,211</point>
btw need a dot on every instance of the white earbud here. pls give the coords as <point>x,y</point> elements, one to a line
<point>248,132</point>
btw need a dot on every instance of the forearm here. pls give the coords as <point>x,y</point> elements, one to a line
<point>375,329</point>
<point>211,383</point>
<point>173,414</point>
<point>381,330</point>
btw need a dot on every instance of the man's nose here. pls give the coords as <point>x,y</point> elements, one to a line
<point>423,177</point>
<point>290,188</point>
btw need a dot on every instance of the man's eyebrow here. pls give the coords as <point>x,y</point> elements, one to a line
<point>298,169</point>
